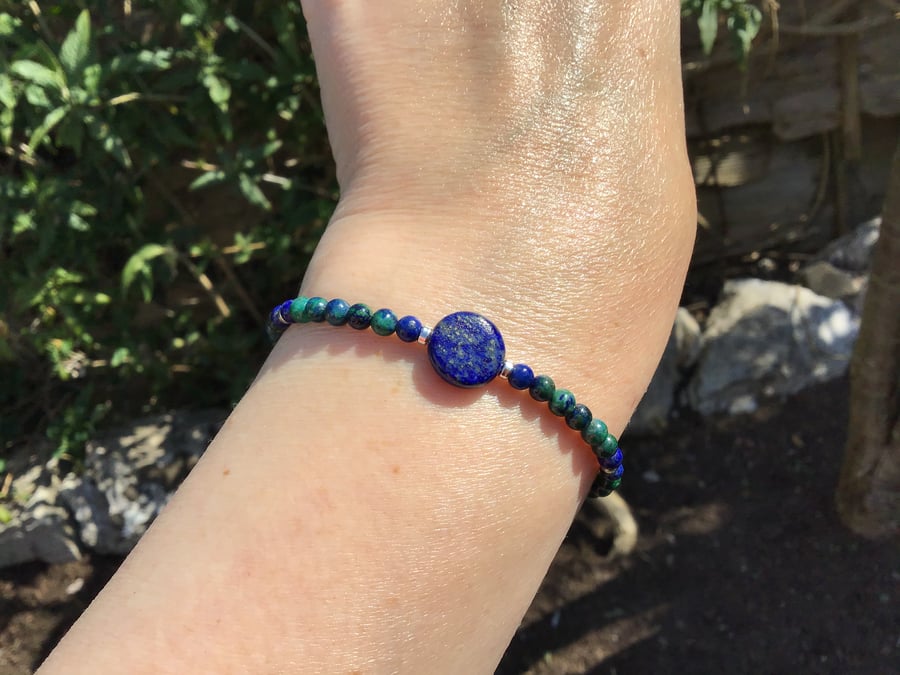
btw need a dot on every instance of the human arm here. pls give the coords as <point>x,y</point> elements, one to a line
<point>524,160</point>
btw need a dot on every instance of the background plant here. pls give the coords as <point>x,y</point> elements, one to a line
<point>164,174</point>
<point>742,21</point>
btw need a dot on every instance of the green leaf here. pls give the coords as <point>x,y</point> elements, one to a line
<point>36,95</point>
<point>76,48</point>
<point>8,103</point>
<point>90,79</point>
<point>8,24</point>
<point>219,90</point>
<point>78,223</point>
<point>5,515</point>
<point>110,141</point>
<point>743,25</point>
<point>35,73</point>
<point>206,179</point>
<point>251,191</point>
<point>138,265</point>
<point>7,123</point>
<point>120,356</point>
<point>70,133</point>
<point>708,22</point>
<point>7,91</point>
<point>52,118</point>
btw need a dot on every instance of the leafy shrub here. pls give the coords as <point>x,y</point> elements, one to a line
<point>164,176</point>
<point>742,19</point>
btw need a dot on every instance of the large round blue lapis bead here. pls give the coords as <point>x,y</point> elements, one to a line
<point>466,349</point>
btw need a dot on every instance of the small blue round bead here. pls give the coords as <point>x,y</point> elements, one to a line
<point>276,321</point>
<point>521,377</point>
<point>359,316</point>
<point>336,312</point>
<point>315,309</point>
<point>612,462</point>
<point>284,310</point>
<point>616,474</point>
<point>580,417</point>
<point>408,329</point>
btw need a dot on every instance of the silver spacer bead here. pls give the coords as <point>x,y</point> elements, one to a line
<point>506,370</point>
<point>424,335</point>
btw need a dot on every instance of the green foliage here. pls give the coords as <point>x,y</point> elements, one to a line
<point>742,20</point>
<point>164,175</point>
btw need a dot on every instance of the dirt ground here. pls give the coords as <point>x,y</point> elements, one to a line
<point>741,566</point>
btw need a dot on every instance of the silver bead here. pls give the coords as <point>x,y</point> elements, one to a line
<point>424,335</point>
<point>506,370</point>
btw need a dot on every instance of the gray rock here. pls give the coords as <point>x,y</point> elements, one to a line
<point>826,280</point>
<point>768,339</point>
<point>840,271</point>
<point>39,529</point>
<point>652,414</point>
<point>130,475</point>
<point>853,251</point>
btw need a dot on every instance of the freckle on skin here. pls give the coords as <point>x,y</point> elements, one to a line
<point>226,472</point>
<point>395,469</point>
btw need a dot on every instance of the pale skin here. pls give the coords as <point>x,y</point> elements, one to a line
<point>522,159</point>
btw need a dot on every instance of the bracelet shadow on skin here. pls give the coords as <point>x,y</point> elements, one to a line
<point>302,342</point>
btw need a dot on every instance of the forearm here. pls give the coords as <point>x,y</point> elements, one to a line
<point>356,513</point>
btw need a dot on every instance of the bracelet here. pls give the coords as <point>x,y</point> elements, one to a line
<point>467,351</point>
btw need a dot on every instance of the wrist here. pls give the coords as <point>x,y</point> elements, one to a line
<point>589,304</point>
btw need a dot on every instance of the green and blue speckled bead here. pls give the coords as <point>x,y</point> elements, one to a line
<point>562,402</point>
<point>595,433</point>
<point>315,309</point>
<point>298,309</point>
<point>542,388</point>
<point>359,316</point>
<point>384,322</point>
<point>336,312</point>
<point>579,417</point>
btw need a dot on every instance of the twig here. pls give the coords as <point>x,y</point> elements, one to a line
<point>19,156</point>
<point>7,483</point>
<point>138,96</point>
<point>266,177</point>
<point>257,38</point>
<point>225,266</point>
<point>830,13</point>
<point>206,283</point>
<point>38,14</point>
<point>849,28</point>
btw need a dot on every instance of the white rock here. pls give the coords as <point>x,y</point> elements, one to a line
<point>130,475</point>
<point>769,339</point>
<point>39,529</point>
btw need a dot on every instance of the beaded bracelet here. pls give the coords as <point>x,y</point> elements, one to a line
<point>466,350</point>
